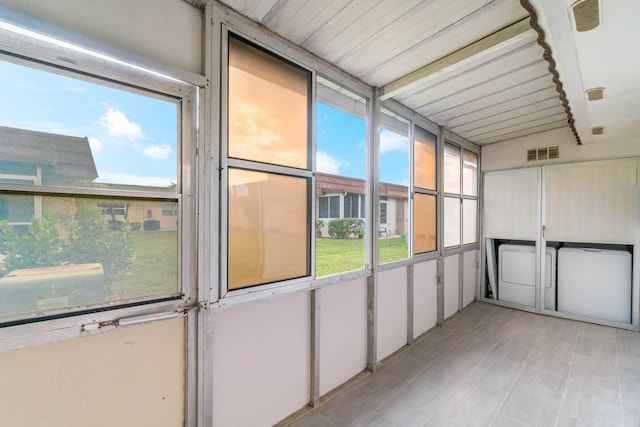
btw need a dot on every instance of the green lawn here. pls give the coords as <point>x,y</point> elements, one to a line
<point>154,266</point>
<point>337,255</point>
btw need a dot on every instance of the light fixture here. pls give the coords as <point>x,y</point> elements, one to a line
<point>586,14</point>
<point>595,93</point>
<point>599,130</point>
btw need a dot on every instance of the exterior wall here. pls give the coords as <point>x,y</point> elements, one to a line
<point>513,154</point>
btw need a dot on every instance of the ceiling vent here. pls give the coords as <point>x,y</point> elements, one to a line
<point>597,130</point>
<point>544,153</point>
<point>586,14</point>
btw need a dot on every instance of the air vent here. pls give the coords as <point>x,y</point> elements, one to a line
<point>597,130</point>
<point>543,153</point>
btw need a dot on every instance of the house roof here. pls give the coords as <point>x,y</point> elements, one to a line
<point>328,184</point>
<point>63,158</point>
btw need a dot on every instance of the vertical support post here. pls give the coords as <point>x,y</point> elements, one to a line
<point>410,304</point>
<point>314,392</point>
<point>440,225</point>
<point>460,280</point>
<point>372,325</point>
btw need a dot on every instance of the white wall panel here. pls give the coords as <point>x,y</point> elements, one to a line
<point>425,297</point>
<point>591,202</point>
<point>469,277</point>
<point>512,204</point>
<point>451,285</point>
<point>343,333</point>
<point>392,311</point>
<point>168,31</point>
<point>261,361</point>
<point>132,376</point>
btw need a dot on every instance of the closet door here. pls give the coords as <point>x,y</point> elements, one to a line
<point>591,202</point>
<point>512,204</point>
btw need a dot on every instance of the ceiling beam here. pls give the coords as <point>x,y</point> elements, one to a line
<point>478,50</point>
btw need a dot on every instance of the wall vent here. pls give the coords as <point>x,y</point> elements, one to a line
<point>543,153</point>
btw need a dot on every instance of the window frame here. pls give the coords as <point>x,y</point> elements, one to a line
<point>424,191</point>
<point>463,146</point>
<point>48,55</point>
<point>227,163</point>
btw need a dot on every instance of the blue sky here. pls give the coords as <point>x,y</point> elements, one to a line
<point>133,138</point>
<point>340,147</point>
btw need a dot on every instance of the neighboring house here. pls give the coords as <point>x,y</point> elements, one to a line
<point>39,158</point>
<point>343,197</point>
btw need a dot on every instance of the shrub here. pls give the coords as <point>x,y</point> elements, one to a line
<point>346,227</point>
<point>151,225</point>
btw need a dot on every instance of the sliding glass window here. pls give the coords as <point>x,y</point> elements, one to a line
<point>268,167</point>
<point>461,196</point>
<point>88,167</point>
<point>425,238</point>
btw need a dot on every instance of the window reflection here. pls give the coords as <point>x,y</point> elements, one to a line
<point>268,228</point>
<point>268,108</point>
<point>424,223</point>
<point>424,159</point>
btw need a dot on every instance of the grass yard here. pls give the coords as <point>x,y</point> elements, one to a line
<point>154,266</point>
<point>337,255</point>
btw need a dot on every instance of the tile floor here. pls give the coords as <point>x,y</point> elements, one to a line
<point>493,366</point>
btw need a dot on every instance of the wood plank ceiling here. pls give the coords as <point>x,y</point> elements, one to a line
<point>472,66</point>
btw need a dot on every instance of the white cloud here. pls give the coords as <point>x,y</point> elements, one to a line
<point>327,164</point>
<point>158,152</point>
<point>118,178</point>
<point>95,144</point>
<point>391,141</point>
<point>118,125</point>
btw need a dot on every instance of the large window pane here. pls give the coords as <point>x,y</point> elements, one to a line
<point>268,228</point>
<point>75,133</point>
<point>469,221</point>
<point>469,173</point>
<point>424,159</point>
<point>451,221</point>
<point>393,227</point>
<point>341,169</point>
<point>81,252</point>
<point>268,108</point>
<point>424,223</point>
<point>451,169</point>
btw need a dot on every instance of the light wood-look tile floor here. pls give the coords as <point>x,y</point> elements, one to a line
<point>494,366</point>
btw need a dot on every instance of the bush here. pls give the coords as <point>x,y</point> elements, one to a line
<point>346,227</point>
<point>136,226</point>
<point>151,225</point>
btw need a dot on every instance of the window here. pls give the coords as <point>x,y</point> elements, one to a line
<point>394,176</point>
<point>354,206</point>
<point>81,162</point>
<point>341,142</point>
<point>329,207</point>
<point>268,167</point>
<point>461,194</point>
<point>425,191</point>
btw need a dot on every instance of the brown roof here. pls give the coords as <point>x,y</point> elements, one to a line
<point>326,184</point>
<point>63,158</point>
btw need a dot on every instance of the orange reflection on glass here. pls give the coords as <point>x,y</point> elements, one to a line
<point>268,228</point>
<point>268,108</point>
<point>424,159</point>
<point>424,223</point>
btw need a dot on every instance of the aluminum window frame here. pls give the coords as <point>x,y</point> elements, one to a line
<point>75,61</point>
<point>227,162</point>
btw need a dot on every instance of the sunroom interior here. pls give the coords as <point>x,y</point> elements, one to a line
<point>228,213</point>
